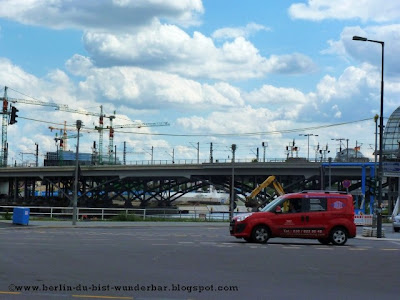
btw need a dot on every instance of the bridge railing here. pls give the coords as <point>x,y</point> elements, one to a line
<point>193,161</point>
<point>121,214</point>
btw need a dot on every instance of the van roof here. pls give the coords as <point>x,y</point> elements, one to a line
<point>324,192</point>
<point>318,193</point>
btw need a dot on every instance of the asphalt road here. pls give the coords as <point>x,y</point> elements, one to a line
<point>185,261</point>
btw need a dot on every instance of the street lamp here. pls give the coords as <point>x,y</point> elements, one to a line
<point>75,202</point>
<point>265,145</point>
<point>380,169</point>
<point>37,154</point>
<point>308,143</point>
<point>232,202</point>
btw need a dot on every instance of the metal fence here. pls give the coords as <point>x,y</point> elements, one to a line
<point>133,214</point>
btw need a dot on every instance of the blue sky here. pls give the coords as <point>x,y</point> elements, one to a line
<point>219,72</point>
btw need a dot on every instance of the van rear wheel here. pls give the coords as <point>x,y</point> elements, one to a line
<point>260,234</point>
<point>338,236</point>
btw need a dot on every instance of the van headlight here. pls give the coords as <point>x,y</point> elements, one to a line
<point>242,217</point>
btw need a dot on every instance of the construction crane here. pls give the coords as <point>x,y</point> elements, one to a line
<point>66,108</point>
<point>140,124</point>
<point>35,102</point>
<point>99,128</point>
<point>110,128</point>
<point>60,107</point>
<point>110,138</point>
<point>63,132</point>
<point>6,112</point>
<point>63,144</point>
<point>63,137</point>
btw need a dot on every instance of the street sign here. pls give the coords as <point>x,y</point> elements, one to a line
<point>346,183</point>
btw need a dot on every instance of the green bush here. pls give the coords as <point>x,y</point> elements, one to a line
<point>7,216</point>
<point>124,217</point>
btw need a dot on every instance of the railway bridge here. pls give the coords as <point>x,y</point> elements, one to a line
<point>161,185</point>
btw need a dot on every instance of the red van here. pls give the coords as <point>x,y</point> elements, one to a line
<point>322,215</point>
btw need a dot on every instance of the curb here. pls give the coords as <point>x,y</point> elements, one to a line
<point>370,238</point>
<point>34,225</point>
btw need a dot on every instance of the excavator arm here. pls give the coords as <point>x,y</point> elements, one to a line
<point>250,200</point>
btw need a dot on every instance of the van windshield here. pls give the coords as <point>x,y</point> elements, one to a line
<point>271,206</point>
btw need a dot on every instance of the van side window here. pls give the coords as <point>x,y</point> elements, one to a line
<point>317,204</point>
<point>293,205</point>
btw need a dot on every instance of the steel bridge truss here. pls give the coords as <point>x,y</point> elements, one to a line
<point>113,191</point>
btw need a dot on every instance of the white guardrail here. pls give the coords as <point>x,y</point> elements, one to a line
<point>86,213</point>
<point>198,213</point>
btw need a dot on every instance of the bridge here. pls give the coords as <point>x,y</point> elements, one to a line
<point>161,185</point>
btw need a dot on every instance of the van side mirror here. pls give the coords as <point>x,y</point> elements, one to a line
<point>278,209</point>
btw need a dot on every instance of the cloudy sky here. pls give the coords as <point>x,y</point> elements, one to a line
<point>221,72</point>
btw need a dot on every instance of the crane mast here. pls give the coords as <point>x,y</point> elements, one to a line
<point>4,130</point>
<point>111,138</point>
<point>100,130</point>
<point>63,140</point>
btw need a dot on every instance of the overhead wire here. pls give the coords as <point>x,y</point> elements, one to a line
<point>218,134</point>
<point>250,133</point>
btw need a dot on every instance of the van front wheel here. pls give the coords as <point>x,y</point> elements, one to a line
<point>338,236</point>
<point>260,234</point>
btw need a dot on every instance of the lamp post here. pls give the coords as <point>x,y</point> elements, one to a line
<point>380,169</point>
<point>37,154</point>
<point>308,143</point>
<point>265,145</point>
<point>75,202</point>
<point>232,202</point>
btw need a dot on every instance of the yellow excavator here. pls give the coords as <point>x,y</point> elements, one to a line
<point>252,202</point>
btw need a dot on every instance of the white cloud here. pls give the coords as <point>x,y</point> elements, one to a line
<point>364,10</point>
<point>79,65</point>
<point>233,120</point>
<point>146,89</point>
<point>334,98</point>
<point>291,64</point>
<point>367,51</point>
<point>168,48</point>
<point>275,96</point>
<point>210,108</point>
<point>13,75</point>
<point>132,33</point>
<point>235,32</point>
<point>120,15</point>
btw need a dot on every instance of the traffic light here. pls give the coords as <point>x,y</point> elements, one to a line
<point>14,115</point>
<point>372,186</point>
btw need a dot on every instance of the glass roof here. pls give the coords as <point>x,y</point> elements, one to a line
<point>391,136</point>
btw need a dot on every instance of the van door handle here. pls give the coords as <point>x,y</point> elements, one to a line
<point>307,218</point>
